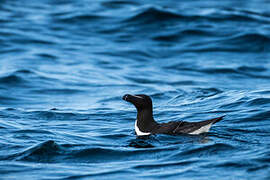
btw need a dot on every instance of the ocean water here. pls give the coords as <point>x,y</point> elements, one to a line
<point>65,65</point>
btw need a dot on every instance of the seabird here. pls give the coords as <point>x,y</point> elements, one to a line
<point>146,125</point>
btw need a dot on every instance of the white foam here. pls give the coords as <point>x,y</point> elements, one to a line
<point>140,133</point>
<point>203,129</point>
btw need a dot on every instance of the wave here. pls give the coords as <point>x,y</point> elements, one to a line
<point>205,150</point>
<point>106,174</point>
<point>66,91</point>
<point>6,99</point>
<point>47,56</point>
<point>166,164</point>
<point>32,131</point>
<point>54,115</point>
<point>140,143</point>
<point>230,164</point>
<point>49,151</point>
<point>43,152</point>
<point>259,101</point>
<point>232,105</point>
<point>154,14</point>
<point>12,80</point>
<point>247,42</point>
<point>118,4</point>
<point>69,18</point>
<point>251,42</point>
<point>30,40</point>
<point>242,71</point>
<point>252,69</point>
<point>23,78</point>
<point>261,116</point>
<point>176,36</point>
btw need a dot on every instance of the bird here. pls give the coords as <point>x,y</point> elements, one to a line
<point>145,123</point>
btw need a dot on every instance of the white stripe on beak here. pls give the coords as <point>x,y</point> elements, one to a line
<point>138,97</point>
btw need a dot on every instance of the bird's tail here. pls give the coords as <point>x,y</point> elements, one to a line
<point>215,120</point>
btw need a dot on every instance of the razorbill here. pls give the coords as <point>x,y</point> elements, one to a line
<point>146,125</point>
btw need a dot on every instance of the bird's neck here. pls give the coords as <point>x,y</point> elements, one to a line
<point>145,121</point>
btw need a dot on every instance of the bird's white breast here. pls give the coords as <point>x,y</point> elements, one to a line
<point>138,132</point>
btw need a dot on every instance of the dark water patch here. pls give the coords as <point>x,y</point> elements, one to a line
<point>77,18</point>
<point>59,92</point>
<point>6,34</point>
<point>115,137</point>
<point>11,80</point>
<point>105,174</point>
<point>196,32</point>
<point>11,50</point>
<point>261,116</point>
<point>140,55</point>
<point>232,17</point>
<point>119,4</point>
<point>142,80</point>
<point>205,151</point>
<point>219,70</point>
<point>53,115</point>
<point>23,78</point>
<point>182,66</point>
<point>129,55</point>
<point>50,151</point>
<point>207,92</point>
<point>98,155</point>
<point>244,131</point>
<point>44,152</point>
<point>13,168</point>
<point>156,14</point>
<point>24,71</point>
<point>252,69</point>
<point>244,42</point>
<point>233,165</point>
<point>259,101</point>
<point>105,154</point>
<point>249,15</point>
<point>252,42</point>
<point>167,37</point>
<point>142,142</point>
<point>47,56</point>
<point>7,99</point>
<point>169,164</point>
<point>112,30</point>
<point>187,82</point>
<point>186,33</point>
<point>264,159</point>
<point>153,14</point>
<point>257,168</point>
<point>30,41</point>
<point>32,131</point>
<point>263,92</point>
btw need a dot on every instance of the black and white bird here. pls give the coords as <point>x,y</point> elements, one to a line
<point>146,125</point>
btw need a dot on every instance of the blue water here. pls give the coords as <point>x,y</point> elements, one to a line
<point>65,64</point>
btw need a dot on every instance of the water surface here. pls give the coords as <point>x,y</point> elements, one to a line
<point>64,66</point>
